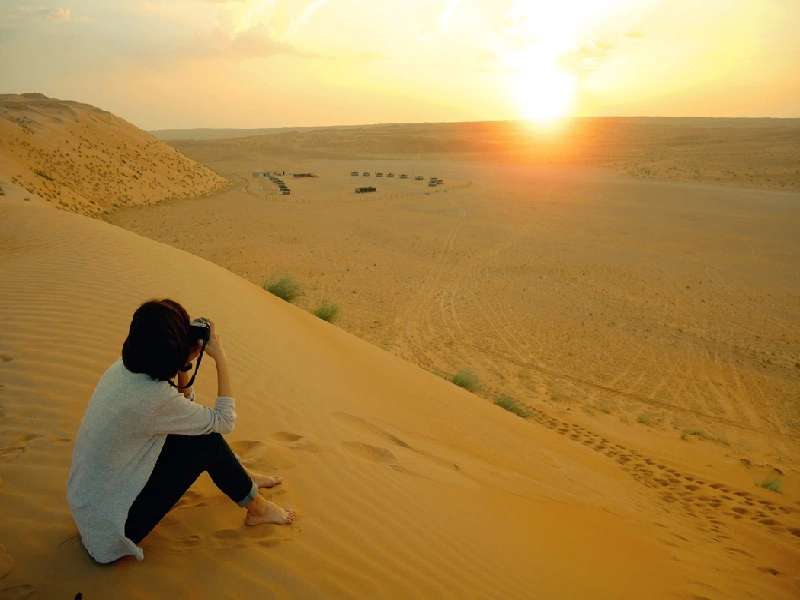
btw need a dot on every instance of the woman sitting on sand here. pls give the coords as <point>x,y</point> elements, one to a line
<point>142,443</point>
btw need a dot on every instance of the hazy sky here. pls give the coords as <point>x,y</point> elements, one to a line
<point>263,63</point>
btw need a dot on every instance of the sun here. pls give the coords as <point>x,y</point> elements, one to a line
<point>543,94</point>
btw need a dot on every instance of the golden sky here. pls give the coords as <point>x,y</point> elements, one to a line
<point>266,63</point>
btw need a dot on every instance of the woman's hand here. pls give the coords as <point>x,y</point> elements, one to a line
<point>214,346</point>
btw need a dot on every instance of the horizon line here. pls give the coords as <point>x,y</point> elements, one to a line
<point>516,121</point>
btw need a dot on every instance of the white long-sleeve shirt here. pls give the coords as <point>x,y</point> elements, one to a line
<point>123,430</point>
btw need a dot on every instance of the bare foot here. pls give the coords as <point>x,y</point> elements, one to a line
<point>263,511</point>
<point>265,481</point>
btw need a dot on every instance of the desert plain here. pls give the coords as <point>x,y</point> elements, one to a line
<point>630,287</point>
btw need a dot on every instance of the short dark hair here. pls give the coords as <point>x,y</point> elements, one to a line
<point>158,342</point>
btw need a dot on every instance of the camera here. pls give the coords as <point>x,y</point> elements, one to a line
<point>200,329</point>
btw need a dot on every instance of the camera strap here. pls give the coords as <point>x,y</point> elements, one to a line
<point>196,367</point>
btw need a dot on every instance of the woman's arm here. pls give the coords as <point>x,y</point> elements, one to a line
<point>223,377</point>
<point>177,415</point>
<point>215,350</point>
<point>183,379</point>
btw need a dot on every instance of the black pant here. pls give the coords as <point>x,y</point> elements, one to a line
<point>180,463</point>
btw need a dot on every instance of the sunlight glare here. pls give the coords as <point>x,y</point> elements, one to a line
<point>537,47</point>
<point>543,93</point>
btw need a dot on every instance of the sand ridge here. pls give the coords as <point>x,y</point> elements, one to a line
<point>87,160</point>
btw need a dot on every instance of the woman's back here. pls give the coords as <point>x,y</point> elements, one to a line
<point>115,451</point>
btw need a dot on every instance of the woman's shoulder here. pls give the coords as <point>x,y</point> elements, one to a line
<point>118,375</point>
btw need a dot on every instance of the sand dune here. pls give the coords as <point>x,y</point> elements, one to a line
<point>86,160</point>
<point>406,486</point>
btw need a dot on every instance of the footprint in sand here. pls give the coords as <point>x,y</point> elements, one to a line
<point>190,541</point>
<point>296,441</point>
<point>261,456</point>
<point>11,452</point>
<point>285,436</point>
<point>371,453</point>
<point>724,500</point>
<point>272,542</point>
<point>19,446</point>
<point>364,425</point>
<point>249,451</point>
<point>247,446</point>
<point>230,538</point>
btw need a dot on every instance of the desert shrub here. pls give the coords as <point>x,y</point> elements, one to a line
<point>700,434</point>
<point>285,288</point>
<point>327,312</point>
<point>772,484</point>
<point>466,379</point>
<point>645,419</point>
<point>513,406</point>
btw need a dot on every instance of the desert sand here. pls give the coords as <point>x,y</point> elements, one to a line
<point>649,326</point>
<point>655,305</point>
<point>87,160</point>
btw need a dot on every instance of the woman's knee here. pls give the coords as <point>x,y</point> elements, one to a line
<point>200,448</point>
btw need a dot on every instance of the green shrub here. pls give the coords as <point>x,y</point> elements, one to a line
<point>327,312</point>
<point>285,288</point>
<point>466,379</point>
<point>772,484</point>
<point>513,406</point>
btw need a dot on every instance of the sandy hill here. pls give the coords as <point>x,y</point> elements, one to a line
<point>744,152</point>
<point>86,160</point>
<point>405,485</point>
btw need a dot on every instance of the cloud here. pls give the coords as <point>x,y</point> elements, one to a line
<point>305,16</point>
<point>218,30</point>
<point>588,56</point>
<point>255,42</point>
<point>59,15</point>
